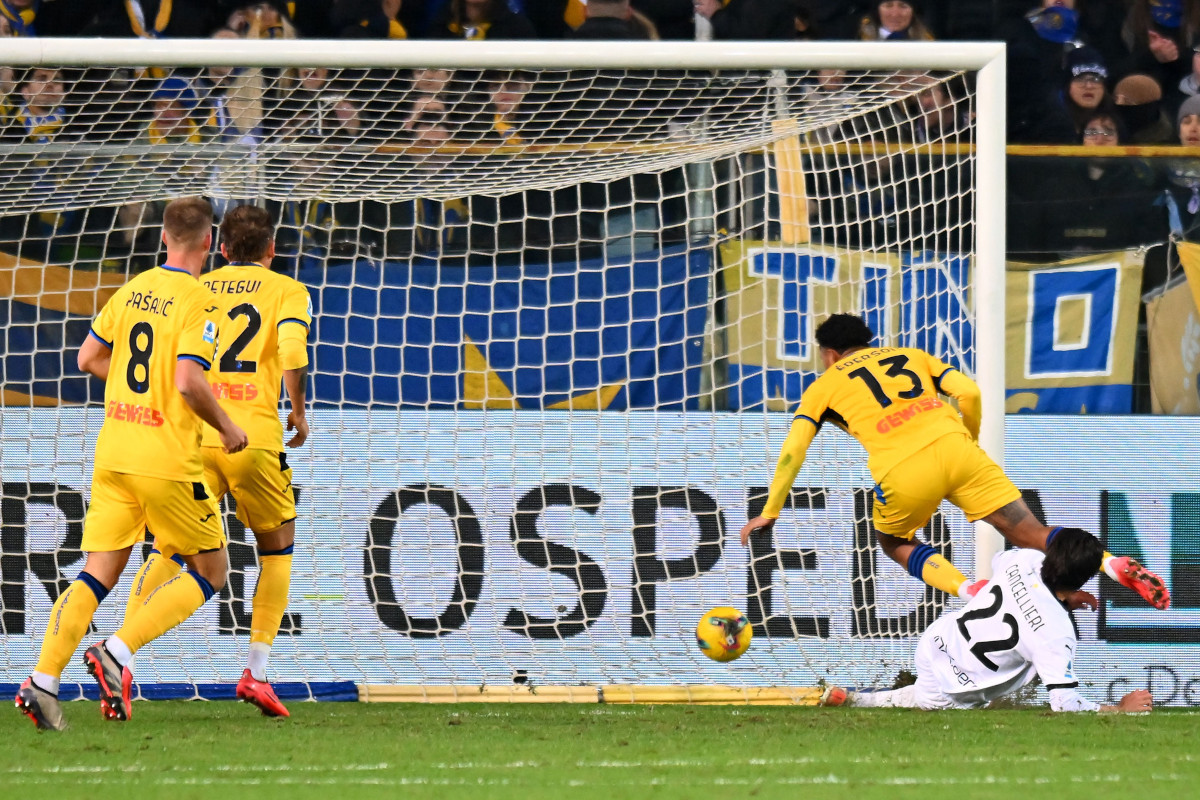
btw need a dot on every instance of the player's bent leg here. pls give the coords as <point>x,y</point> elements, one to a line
<point>69,621</point>
<point>270,603</point>
<point>923,563</point>
<point>891,698</point>
<point>166,607</point>
<point>156,570</point>
<point>1017,524</point>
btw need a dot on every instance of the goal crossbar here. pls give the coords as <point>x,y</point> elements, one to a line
<point>69,52</point>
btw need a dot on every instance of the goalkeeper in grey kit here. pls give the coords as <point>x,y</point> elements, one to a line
<point>1016,627</point>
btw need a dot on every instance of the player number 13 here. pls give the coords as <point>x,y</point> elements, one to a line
<point>896,369</point>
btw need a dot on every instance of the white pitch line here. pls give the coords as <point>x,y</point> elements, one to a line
<point>816,780</point>
<point>800,761</point>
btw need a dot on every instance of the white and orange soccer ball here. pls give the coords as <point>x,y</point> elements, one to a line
<point>724,633</point>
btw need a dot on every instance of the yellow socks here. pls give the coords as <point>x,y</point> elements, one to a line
<point>69,621</point>
<point>270,603</point>
<point>166,607</point>
<point>930,566</point>
<point>156,570</point>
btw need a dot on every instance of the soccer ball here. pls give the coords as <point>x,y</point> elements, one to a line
<point>723,634</point>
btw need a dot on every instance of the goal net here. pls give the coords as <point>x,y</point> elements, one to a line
<point>563,305</point>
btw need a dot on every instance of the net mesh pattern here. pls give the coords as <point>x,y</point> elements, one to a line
<point>539,298</point>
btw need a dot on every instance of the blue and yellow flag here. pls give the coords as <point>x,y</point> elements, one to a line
<point>777,294</point>
<point>1072,333</point>
<point>45,312</point>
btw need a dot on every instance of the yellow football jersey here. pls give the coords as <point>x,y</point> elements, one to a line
<point>259,306</point>
<point>160,317</point>
<point>887,399</point>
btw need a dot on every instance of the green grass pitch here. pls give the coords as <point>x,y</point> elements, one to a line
<point>344,750</point>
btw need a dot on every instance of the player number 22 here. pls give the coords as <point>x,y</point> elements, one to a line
<point>896,369</point>
<point>981,648</point>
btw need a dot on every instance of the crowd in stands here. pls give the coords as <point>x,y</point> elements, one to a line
<point>1139,58</point>
<point>1081,72</point>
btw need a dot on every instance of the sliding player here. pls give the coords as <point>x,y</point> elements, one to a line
<point>150,344</point>
<point>1015,628</point>
<point>263,339</point>
<point>920,452</point>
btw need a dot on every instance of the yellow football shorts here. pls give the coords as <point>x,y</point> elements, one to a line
<point>952,468</point>
<point>259,480</point>
<point>184,516</point>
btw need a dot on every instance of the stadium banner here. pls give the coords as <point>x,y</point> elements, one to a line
<point>593,334</point>
<point>464,562</point>
<point>776,295</point>
<point>1189,258</point>
<point>1173,335</point>
<point>1071,326</point>
<point>1072,334</point>
<point>45,312</point>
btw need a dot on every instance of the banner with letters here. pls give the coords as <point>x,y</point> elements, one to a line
<point>1072,326</point>
<point>1072,334</point>
<point>777,294</point>
<point>470,546</point>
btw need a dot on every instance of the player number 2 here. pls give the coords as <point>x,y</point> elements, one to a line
<point>139,360</point>
<point>896,369</point>
<point>229,360</point>
<point>981,648</point>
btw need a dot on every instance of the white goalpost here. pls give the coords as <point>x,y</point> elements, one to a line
<point>563,300</point>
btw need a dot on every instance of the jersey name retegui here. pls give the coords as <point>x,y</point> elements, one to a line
<point>259,308</point>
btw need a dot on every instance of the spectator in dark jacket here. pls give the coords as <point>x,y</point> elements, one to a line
<point>367,19</point>
<point>1086,92</point>
<point>481,19</point>
<point>893,20</point>
<point>1157,33</point>
<point>750,19</point>
<point>609,19</point>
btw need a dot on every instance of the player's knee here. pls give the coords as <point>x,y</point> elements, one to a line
<point>278,539</point>
<point>216,578</point>
<point>890,544</point>
<point>213,570</point>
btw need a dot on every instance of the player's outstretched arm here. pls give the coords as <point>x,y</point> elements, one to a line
<point>94,357</point>
<point>791,458</point>
<point>295,381</point>
<point>191,383</point>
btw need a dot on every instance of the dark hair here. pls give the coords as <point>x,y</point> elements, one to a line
<point>187,220</point>
<point>247,232</point>
<point>1073,557</point>
<point>841,332</point>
